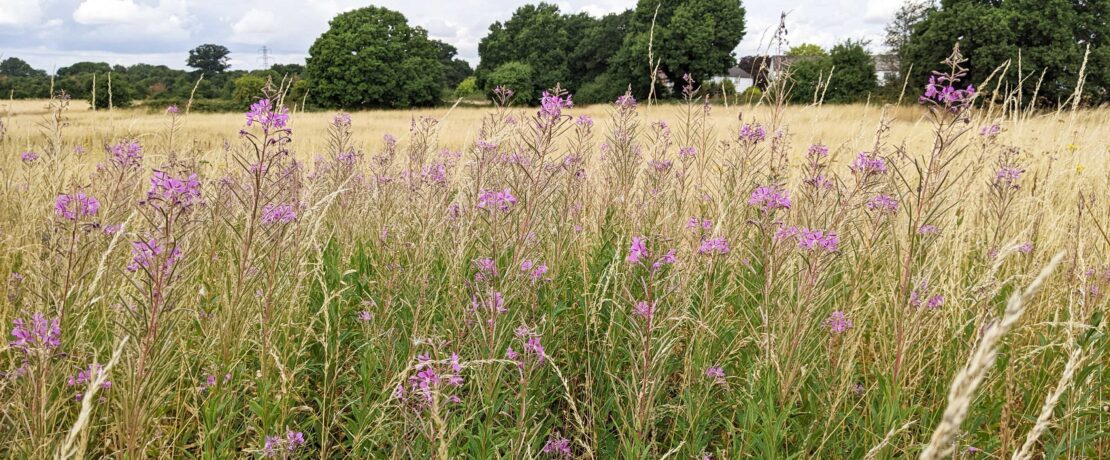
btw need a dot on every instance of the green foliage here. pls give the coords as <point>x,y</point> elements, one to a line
<point>467,87</point>
<point>455,70</point>
<point>209,59</point>
<point>691,36</point>
<point>248,89</point>
<point>752,94</point>
<point>806,50</point>
<point>1051,35</point>
<point>16,67</point>
<point>853,75</point>
<point>604,89</point>
<point>537,37</point>
<point>517,76</point>
<point>372,57</point>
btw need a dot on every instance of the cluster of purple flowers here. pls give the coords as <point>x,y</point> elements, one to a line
<point>276,444</point>
<point>645,310</point>
<point>817,151</point>
<point>552,105</point>
<point>921,297</point>
<point>882,204</point>
<point>638,251</point>
<point>535,270</point>
<point>40,335</point>
<point>716,374</point>
<point>752,133</point>
<point>939,90</point>
<point>990,131</point>
<point>557,446</point>
<point>74,206</point>
<point>144,253</point>
<point>85,377</point>
<point>687,153</point>
<point>264,113</point>
<point>29,156</point>
<point>278,214</point>
<point>867,164</point>
<point>126,153</point>
<point>490,307</point>
<point>769,198</point>
<point>1008,176</point>
<point>342,119</point>
<point>714,246</point>
<point>838,322</point>
<point>532,347</point>
<point>694,223</point>
<point>625,102</point>
<point>210,381</point>
<point>173,191</point>
<point>487,269</point>
<point>428,380</point>
<point>809,240</point>
<point>503,200</point>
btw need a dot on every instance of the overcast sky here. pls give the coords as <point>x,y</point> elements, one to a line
<point>55,33</point>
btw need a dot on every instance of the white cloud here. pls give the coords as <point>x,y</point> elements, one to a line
<point>256,27</point>
<point>128,20</point>
<point>20,13</point>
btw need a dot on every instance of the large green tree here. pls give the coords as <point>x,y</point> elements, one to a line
<point>209,58</point>
<point>455,70</point>
<point>372,57</point>
<point>1051,36</point>
<point>536,36</point>
<point>847,68</point>
<point>697,37</point>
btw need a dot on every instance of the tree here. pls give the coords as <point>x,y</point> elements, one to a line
<point>517,76</point>
<point>455,70</point>
<point>209,59</point>
<point>853,72</point>
<point>697,37</point>
<point>372,57</point>
<point>536,36</point>
<point>900,29</point>
<point>806,50</point>
<point>16,67</point>
<point>467,88</point>
<point>248,88</point>
<point>1051,35</point>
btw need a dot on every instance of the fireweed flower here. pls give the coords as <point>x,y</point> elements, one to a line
<point>584,121</point>
<point>144,253</point>
<point>694,223</point>
<point>645,310</point>
<point>29,156</point>
<point>785,233</point>
<point>264,113</point>
<point>941,92</point>
<point>752,133</point>
<point>173,191</point>
<point>990,131</point>
<point>85,377</point>
<point>41,335</point>
<point>625,102</point>
<point>638,250</point>
<point>490,307</point>
<point>557,446</point>
<point>769,198</point>
<point>921,296</point>
<point>667,259</point>
<point>882,204</point>
<point>274,445</point>
<point>278,214</point>
<point>811,240</point>
<point>1007,177</point>
<point>687,153</point>
<point>838,322</point>
<point>487,269</point>
<point>716,374</point>
<point>342,119</point>
<point>714,246</point>
<point>503,200</point>
<point>173,110</point>
<point>552,105</point>
<point>75,205</point>
<point>817,151</point>
<point>928,230</point>
<point>1025,248</point>
<point>126,153</point>
<point>866,165</point>
<point>535,270</point>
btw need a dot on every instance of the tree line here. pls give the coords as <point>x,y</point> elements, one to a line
<point>373,58</point>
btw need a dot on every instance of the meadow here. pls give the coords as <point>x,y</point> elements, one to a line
<point>630,280</point>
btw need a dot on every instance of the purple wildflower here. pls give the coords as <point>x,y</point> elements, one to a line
<point>42,334</point>
<point>817,151</point>
<point>126,153</point>
<point>714,246</point>
<point>173,191</point>
<point>752,133</point>
<point>173,110</point>
<point>557,446</point>
<point>143,254</point>
<point>838,322</point>
<point>75,205</point>
<point>1008,176</point>
<point>882,204</point>
<point>1025,248</point>
<point>867,164</point>
<point>29,156</point>
<point>278,214</point>
<point>584,121</point>
<point>769,198</point>
<point>667,259</point>
<point>264,113</point>
<point>818,239</point>
<point>645,310</point>
<point>626,102</point>
<point>716,374</point>
<point>503,200</point>
<point>638,250</point>
<point>552,105</point>
<point>687,153</point>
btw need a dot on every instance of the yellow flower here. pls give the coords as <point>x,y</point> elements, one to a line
<point>1079,169</point>
<point>1072,148</point>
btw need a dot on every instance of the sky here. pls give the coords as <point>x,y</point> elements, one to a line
<point>54,33</point>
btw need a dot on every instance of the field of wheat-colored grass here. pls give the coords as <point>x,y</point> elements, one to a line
<point>627,280</point>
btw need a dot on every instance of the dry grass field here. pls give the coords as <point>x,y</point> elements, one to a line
<point>560,282</point>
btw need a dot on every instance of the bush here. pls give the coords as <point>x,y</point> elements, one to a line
<point>602,90</point>
<point>467,88</point>
<point>248,88</point>
<point>516,76</point>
